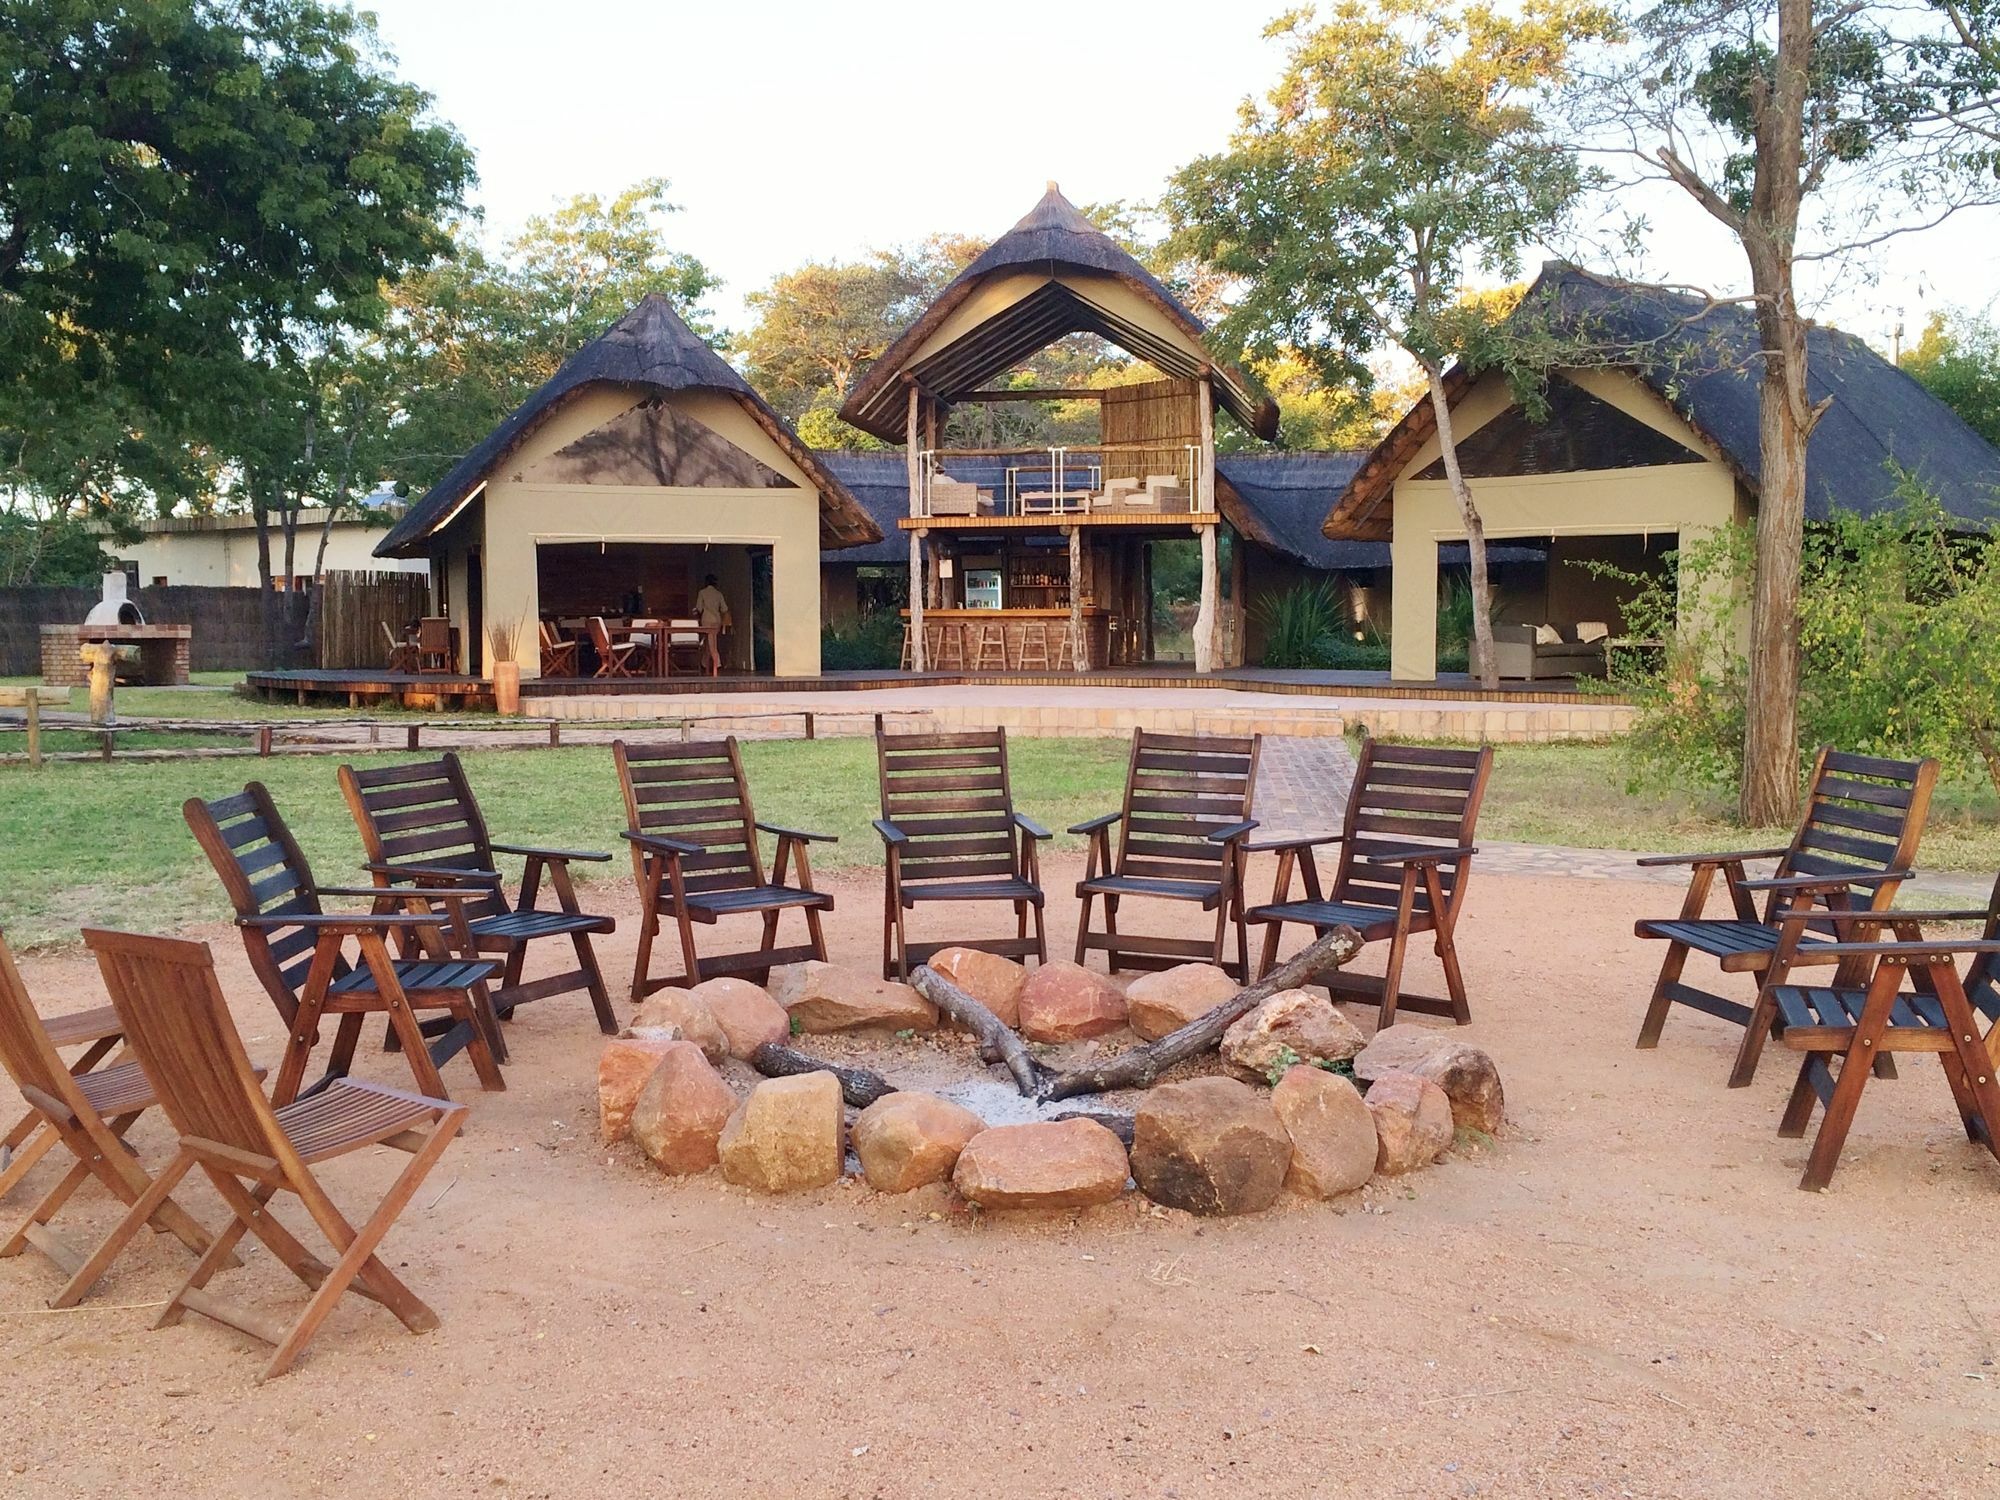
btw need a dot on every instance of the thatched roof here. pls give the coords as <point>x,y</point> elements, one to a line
<point>1702,360</point>
<point>1053,238</point>
<point>650,351</point>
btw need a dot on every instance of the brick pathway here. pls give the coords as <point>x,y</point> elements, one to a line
<point>1302,784</point>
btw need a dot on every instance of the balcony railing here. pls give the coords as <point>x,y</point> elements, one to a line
<point>1065,480</point>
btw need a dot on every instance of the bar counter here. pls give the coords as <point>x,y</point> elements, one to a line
<point>1015,624</point>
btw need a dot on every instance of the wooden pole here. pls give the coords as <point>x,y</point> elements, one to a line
<point>913,468</point>
<point>1076,634</point>
<point>33,705</point>
<point>1204,499</point>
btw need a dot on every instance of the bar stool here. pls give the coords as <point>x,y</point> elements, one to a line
<point>1034,645</point>
<point>991,642</point>
<point>1066,647</point>
<point>905,664</point>
<point>941,641</point>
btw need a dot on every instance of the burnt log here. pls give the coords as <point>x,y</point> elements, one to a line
<point>1124,1126</point>
<point>998,1042</point>
<point>1142,1066</point>
<point>860,1087</point>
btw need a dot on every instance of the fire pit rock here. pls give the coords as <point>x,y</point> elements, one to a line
<point>824,997</point>
<point>681,1111</point>
<point>1047,1164</point>
<point>1332,1130</point>
<point>682,1014</point>
<point>1291,1026</point>
<point>910,1139</point>
<point>787,1136</point>
<point>1210,1146</point>
<point>990,978</point>
<point>1465,1072</point>
<point>1412,1122</point>
<point>747,1014</point>
<point>1165,1001</point>
<point>1065,1002</point>
<point>622,1070</point>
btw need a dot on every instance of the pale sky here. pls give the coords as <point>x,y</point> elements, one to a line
<point>811,131</point>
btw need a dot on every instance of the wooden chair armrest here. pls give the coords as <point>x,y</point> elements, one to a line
<point>1093,824</point>
<point>891,834</point>
<point>433,873</point>
<point>1293,841</point>
<point>339,921</point>
<point>1805,883</point>
<point>1420,855</point>
<point>800,834</point>
<point>1233,832</point>
<point>562,856</point>
<point>1655,861</point>
<point>1883,918</point>
<point>1833,952</point>
<point>660,843</point>
<point>1030,827</point>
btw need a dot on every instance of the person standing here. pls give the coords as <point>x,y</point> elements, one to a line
<point>712,606</point>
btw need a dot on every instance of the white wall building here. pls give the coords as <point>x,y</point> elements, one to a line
<point>222,550</point>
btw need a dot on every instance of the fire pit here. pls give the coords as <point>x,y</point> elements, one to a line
<point>1233,1097</point>
<point>151,655</point>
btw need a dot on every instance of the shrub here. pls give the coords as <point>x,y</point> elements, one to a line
<point>874,643</point>
<point>1299,624</point>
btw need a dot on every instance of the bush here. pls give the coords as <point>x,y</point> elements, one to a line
<point>875,643</point>
<point>1301,626</point>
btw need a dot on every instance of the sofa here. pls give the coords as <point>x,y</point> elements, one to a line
<point>1526,653</point>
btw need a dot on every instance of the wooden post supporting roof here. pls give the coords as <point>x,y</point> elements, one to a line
<point>1205,620</point>
<point>913,466</point>
<point>1080,641</point>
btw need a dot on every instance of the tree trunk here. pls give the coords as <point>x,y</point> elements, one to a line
<point>1475,531</point>
<point>1770,792</point>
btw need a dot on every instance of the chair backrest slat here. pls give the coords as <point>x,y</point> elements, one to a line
<point>1178,789</point>
<point>421,813</point>
<point>1408,796</point>
<point>177,1023</point>
<point>694,792</point>
<point>951,795</point>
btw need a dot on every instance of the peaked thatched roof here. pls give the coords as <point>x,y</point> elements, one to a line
<point>1053,238</point>
<point>1702,360</point>
<point>652,350</point>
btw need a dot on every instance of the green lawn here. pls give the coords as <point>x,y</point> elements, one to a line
<point>1576,794</point>
<point>88,843</point>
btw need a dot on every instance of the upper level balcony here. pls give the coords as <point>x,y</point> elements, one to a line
<point>1070,483</point>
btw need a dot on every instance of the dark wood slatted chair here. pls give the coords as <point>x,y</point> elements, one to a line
<point>1854,847</point>
<point>420,823</point>
<point>1180,838</point>
<point>951,833</point>
<point>175,1018</point>
<point>89,1114</point>
<point>1862,1015</point>
<point>695,859</point>
<point>297,950</point>
<point>1405,858</point>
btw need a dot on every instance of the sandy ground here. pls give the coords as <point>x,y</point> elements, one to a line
<point>1626,1295</point>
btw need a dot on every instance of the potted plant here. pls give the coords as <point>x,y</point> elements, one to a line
<point>503,640</point>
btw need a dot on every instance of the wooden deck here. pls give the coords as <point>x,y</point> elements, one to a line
<point>359,688</point>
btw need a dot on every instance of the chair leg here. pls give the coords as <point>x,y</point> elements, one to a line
<point>1392,978</point>
<point>1041,934</point>
<point>649,926</point>
<point>593,981</point>
<point>691,963</point>
<point>1111,931</point>
<point>1657,1007</point>
<point>1762,1015</point>
<point>50,1204</point>
<point>1083,924</point>
<point>154,1206</point>
<point>816,933</point>
<point>1799,1107</point>
<point>1454,981</point>
<point>510,977</point>
<point>479,1047</point>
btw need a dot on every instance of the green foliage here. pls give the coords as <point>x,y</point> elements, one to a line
<point>1957,359</point>
<point>1299,625</point>
<point>875,641</point>
<point>1281,1064</point>
<point>189,190</point>
<point>56,546</point>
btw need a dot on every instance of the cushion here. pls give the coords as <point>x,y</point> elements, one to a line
<point>1591,630</point>
<point>1127,483</point>
<point>1548,635</point>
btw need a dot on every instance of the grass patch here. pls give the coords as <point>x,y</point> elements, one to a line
<point>1575,794</point>
<point>86,843</point>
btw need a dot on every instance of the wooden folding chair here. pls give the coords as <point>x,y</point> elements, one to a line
<point>1854,847</point>
<point>558,654</point>
<point>175,1019</point>
<point>951,833</point>
<point>695,859</point>
<point>1181,833</point>
<point>89,1114</point>
<point>1862,1015</point>
<point>420,823</point>
<point>31,1138</point>
<point>297,949</point>
<point>1405,857</point>
<point>626,658</point>
<point>402,653</point>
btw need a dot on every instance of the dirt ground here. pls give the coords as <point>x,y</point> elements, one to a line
<point>1625,1295</point>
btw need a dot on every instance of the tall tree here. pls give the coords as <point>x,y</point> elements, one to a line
<point>1809,129</point>
<point>1400,152</point>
